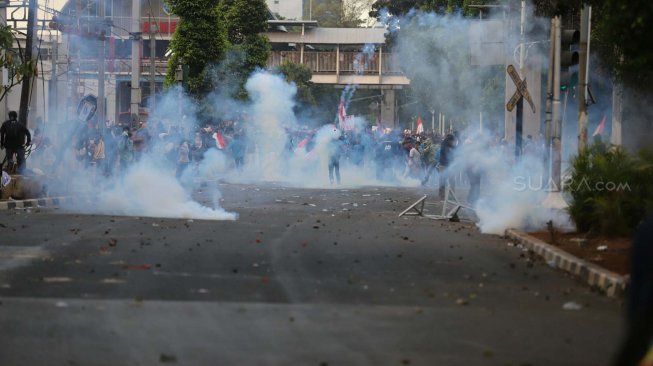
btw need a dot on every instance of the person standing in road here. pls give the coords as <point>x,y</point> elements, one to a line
<point>14,136</point>
<point>415,160</point>
<point>125,149</point>
<point>446,158</point>
<point>335,151</point>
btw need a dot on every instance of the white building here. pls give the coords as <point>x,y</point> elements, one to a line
<point>288,9</point>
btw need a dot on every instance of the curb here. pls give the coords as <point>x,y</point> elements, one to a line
<point>612,284</point>
<point>33,203</point>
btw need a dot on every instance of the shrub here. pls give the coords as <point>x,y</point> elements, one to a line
<point>611,189</point>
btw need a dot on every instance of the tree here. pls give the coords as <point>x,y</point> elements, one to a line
<point>339,13</point>
<point>301,76</point>
<point>621,31</point>
<point>13,60</point>
<point>442,7</point>
<point>248,50</point>
<point>199,41</point>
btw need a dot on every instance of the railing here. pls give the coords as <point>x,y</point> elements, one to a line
<point>350,62</point>
<point>121,66</point>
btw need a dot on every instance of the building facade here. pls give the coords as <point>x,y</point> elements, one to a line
<point>287,9</point>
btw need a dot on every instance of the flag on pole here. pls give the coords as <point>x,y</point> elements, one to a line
<point>599,130</point>
<point>420,126</point>
<point>303,143</point>
<point>219,140</point>
<point>341,114</point>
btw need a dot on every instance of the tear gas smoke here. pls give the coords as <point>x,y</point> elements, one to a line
<point>436,51</point>
<point>512,191</point>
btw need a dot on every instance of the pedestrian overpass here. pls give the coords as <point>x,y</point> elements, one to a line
<point>336,55</point>
<point>340,57</point>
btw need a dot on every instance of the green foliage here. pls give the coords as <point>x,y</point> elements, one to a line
<point>611,189</point>
<point>13,61</point>
<point>200,40</point>
<point>621,33</point>
<point>301,76</point>
<point>244,18</point>
<point>442,7</point>
<point>220,42</point>
<point>338,13</point>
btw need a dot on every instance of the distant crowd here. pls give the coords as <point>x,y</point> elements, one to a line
<point>109,149</point>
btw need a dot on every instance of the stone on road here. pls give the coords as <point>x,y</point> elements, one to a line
<point>303,277</point>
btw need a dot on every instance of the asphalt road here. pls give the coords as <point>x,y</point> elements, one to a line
<point>303,277</point>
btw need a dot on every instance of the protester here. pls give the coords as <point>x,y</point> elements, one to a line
<point>125,149</point>
<point>414,165</point>
<point>183,158</point>
<point>14,136</point>
<point>98,153</point>
<point>430,158</point>
<point>198,149</point>
<point>237,150</point>
<point>141,141</point>
<point>335,151</point>
<point>446,158</point>
<point>638,340</point>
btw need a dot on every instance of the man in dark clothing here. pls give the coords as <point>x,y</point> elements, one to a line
<point>446,158</point>
<point>639,336</point>
<point>13,138</point>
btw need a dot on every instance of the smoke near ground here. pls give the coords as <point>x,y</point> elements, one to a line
<point>279,147</point>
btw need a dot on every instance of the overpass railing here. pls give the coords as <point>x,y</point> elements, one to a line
<point>349,63</point>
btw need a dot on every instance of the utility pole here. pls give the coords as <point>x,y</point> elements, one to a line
<point>519,125</point>
<point>548,116</point>
<point>28,79</point>
<point>583,74</point>
<point>152,32</point>
<point>101,67</point>
<point>617,112</point>
<point>52,87</point>
<point>136,60</point>
<point>5,71</point>
<point>554,199</point>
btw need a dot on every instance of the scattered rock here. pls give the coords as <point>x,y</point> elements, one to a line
<point>571,305</point>
<point>167,358</point>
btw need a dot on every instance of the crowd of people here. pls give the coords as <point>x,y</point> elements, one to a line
<point>109,149</point>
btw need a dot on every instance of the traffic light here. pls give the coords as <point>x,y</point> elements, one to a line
<point>569,58</point>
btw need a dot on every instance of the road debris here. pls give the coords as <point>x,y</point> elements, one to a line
<point>571,305</point>
<point>167,358</point>
<point>136,267</point>
<point>56,279</point>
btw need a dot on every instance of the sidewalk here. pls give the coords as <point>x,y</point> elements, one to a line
<point>610,283</point>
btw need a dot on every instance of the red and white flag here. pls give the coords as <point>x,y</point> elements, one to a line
<point>219,140</point>
<point>342,116</point>
<point>599,130</point>
<point>302,144</point>
<point>420,126</point>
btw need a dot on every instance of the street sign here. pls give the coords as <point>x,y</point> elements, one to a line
<point>522,90</point>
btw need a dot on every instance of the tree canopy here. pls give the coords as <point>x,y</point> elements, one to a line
<point>403,7</point>
<point>199,40</point>
<point>13,60</point>
<point>220,42</point>
<point>338,13</point>
<point>621,32</point>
